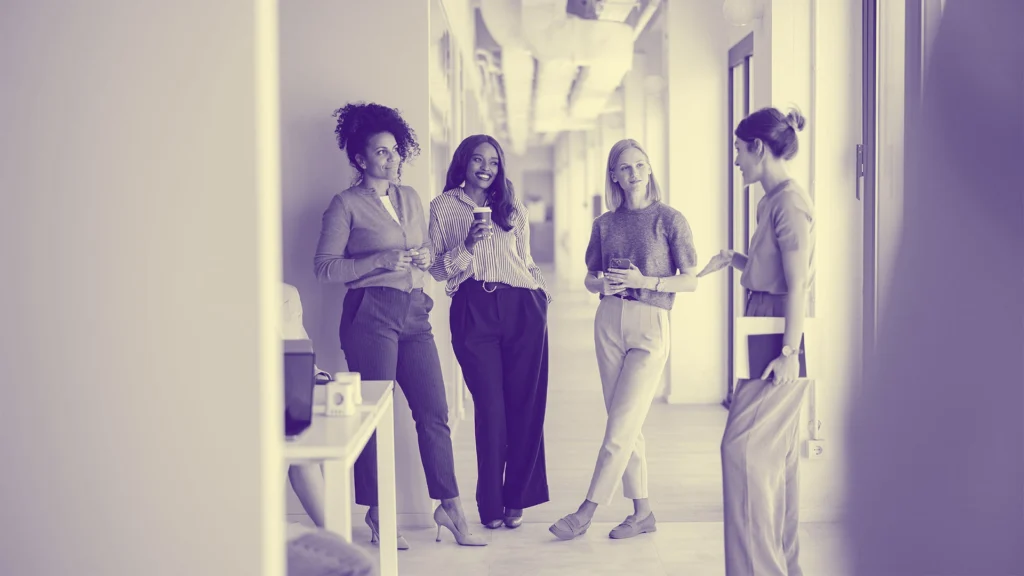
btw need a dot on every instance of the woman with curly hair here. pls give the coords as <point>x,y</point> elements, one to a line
<point>374,239</point>
<point>499,326</point>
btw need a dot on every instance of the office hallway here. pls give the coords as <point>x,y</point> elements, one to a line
<point>685,484</point>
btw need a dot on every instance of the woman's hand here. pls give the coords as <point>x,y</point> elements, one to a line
<point>480,230</point>
<point>786,369</point>
<point>394,259</point>
<point>719,261</point>
<point>421,258</point>
<point>611,288</point>
<point>628,278</point>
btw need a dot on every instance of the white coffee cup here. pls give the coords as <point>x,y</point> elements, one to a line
<point>482,213</point>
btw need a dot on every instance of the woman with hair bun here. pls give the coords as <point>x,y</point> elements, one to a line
<point>374,239</point>
<point>760,445</point>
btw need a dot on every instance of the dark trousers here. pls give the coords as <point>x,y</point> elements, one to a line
<point>386,335</point>
<point>500,339</point>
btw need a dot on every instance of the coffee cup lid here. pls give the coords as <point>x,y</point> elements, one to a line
<point>482,209</point>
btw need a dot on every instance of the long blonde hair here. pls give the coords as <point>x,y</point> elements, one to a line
<point>614,195</point>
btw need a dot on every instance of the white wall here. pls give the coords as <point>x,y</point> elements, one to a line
<point>836,128</point>
<point>536,159</point>
<point>810,55</point>
<point>333,53</point>
<point>696,61</point>
<point>141,251</point>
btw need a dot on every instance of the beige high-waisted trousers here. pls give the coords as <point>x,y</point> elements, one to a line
<point>760,469</point>
<point>632,340</point>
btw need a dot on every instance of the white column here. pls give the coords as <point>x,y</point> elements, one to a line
<point>635,100</point>
<point>579,216</point>
<point>562,207</point>
<point>829,143</point>
<point>612,130</point>
<point>141,356</point>
<point>655,137</point>
<point>697,167</point>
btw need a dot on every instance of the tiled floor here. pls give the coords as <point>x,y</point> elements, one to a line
<point>685,485</point>
<point>676,549</point>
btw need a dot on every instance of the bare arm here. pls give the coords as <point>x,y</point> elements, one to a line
<point>594,282</point>
<point>739,261</point>
<point>794,264</point>
<point>684,282</point>
<point>792,223</point>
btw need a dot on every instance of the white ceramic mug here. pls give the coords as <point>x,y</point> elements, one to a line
<point>343,395</point>
<point>355,380</point>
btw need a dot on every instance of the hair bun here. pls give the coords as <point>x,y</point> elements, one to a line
<point>795,119</point>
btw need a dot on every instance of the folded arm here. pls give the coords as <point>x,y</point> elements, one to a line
<point>447,261</point>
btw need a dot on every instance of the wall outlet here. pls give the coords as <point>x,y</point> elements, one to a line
<point>814,449</point>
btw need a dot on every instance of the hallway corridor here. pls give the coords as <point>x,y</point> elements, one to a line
<point>685,483</point>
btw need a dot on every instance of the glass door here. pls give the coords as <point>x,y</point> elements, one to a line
<point>741,206</point>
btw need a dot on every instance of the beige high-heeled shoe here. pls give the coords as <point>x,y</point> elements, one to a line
<point>441,518</point>
<point>403,544</point>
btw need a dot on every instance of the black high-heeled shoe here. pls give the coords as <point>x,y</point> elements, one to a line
<point>403,544</point>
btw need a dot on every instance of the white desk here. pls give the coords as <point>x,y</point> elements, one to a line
<point>336,442</point>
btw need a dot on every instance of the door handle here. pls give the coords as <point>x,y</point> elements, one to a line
<point>860,168</point>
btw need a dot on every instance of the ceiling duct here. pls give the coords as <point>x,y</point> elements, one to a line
<point>503,19</point>
<point>590,94</point>
<point>562,43</point>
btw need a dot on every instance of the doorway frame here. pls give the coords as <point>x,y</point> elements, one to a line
<point>739,55</point>
<point>922,21</point>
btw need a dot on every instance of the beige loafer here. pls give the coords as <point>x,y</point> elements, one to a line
<point>569,527</point>
<point>631,527</point>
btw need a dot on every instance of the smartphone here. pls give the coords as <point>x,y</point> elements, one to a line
<point>620,263</point>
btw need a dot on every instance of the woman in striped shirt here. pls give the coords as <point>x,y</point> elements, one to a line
<point>374,239</point>
<point>499,326</point>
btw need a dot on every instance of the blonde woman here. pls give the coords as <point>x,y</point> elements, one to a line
<point>640,254</point>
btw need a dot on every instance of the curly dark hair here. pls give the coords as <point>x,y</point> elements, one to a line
<point>359,121</point>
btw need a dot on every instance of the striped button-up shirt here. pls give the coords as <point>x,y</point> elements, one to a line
<point>505,257</point>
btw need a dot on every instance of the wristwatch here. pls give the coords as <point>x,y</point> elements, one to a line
<point>788,351</point>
